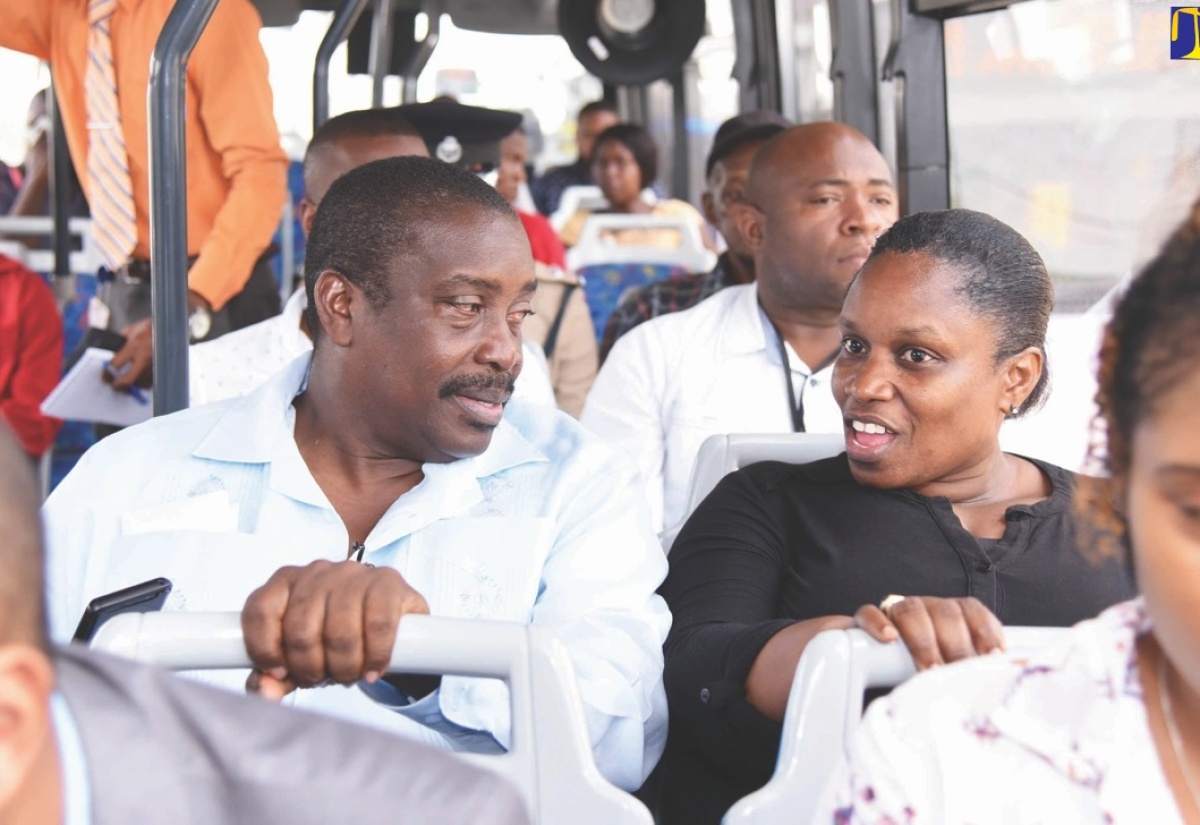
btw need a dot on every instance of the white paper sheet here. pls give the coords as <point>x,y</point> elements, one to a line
<point>82,395</point>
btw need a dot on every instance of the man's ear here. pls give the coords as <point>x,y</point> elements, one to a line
<point>307,212</point>
<point>1021,374</point>
<point>749,220</point>
<point>26,730</point>
<point>336,299</point>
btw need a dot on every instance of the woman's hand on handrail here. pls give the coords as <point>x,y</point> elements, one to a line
<point>936,631</point>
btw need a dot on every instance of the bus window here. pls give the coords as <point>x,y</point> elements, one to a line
<point>1068,120</point>
<point>806,87</point>
<point>23,77</point>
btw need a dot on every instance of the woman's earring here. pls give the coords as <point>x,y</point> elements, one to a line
<point>1014,410</point>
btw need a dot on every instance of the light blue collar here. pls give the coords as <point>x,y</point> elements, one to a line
<point>76,789</point>
<point>248,431</point>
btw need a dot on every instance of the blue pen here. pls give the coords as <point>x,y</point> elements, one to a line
<point>135,391</point>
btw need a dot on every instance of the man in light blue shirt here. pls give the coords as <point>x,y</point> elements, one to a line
<point>391,446</point>
<point>87,738</point>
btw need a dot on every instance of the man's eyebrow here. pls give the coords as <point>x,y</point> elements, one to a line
<point>843,182</point>
<point>488,285</point>
<point>470,281</point>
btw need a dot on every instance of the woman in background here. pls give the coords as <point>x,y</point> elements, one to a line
<point>624,164</point>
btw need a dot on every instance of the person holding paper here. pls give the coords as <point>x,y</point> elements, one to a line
<point>31,348</point>
<point>392,444</point>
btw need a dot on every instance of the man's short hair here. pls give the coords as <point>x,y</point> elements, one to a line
<point>364,123</point>
<point>597,106</point>
<point>22,580</point>
<point>733,134</point>
<point>385,210</point>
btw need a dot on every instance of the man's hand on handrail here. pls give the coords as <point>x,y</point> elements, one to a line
<point>325,622</point>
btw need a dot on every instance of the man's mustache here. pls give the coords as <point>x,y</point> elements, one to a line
<point>504,382</point>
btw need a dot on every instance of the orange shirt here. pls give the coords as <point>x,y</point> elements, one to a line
<point>236,170</point>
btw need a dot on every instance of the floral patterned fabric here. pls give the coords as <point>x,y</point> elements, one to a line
<point>1059,736</point>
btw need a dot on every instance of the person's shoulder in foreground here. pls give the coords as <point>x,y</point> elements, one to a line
<point>189,753</point>
<point>952,744</point>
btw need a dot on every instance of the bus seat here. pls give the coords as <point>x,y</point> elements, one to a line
<point>605,285</point>
<point>85,259</point>
<point>596,246</point>
<point>721,454</point>
<point>573,199</point>
<point>825,707</point>
<point>609,269</point>
<point>550,762</point>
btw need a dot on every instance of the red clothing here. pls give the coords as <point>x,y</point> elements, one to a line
<point>31,351</point>
<point>543,240</point>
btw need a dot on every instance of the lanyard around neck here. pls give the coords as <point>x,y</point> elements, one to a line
<point>796,404</point>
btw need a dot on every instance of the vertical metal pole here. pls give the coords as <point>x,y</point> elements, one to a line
<point>856,98</point>
<point>339,29</point>
<point>379,59</point>
<point>917,60</point>
<point>420,58</point>
<point>168,200</point>
<point>680,177</point>
<point>60,191</point>
<point>757,68</point>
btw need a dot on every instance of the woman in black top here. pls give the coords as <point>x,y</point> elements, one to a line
<point>943,338</point>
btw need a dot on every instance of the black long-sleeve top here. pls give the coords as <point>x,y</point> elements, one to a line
<point>778,543</point>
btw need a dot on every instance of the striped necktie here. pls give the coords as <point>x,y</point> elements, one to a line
<point>110,193</point>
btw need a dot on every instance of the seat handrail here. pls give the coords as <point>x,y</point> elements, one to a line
<point>550,760</point>
<point>592,248</point>
<point>825,707</point>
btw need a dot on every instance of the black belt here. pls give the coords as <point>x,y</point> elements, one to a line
<point>137,270</point>
<point>134,271</point>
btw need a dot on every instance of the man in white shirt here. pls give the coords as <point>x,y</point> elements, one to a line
<point>391,446</point>
<point>90,739</point>
<point>240,361</point>
<point>817,197</point>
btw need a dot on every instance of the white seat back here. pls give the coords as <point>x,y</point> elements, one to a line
<point>550,761</point>
<point>85,260</point>
<point>594,248</point>
<point>720,455</point>
<point>825,707</point>
<point>573,199</point>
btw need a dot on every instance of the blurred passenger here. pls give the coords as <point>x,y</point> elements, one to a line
<point>31,355</point>
<point>32,176</point>
<point>25,190</point>
<point>89,738</point>
<point>593,119</point>
<point>238,363</point>
<point>561,324</point>
<point>99,53</point>
<point>943,338</point>
<point>391,445</point>
<point>726,170</point>
<point>817,197</point>
<point>1104,728</point>
<point>624,163</point>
